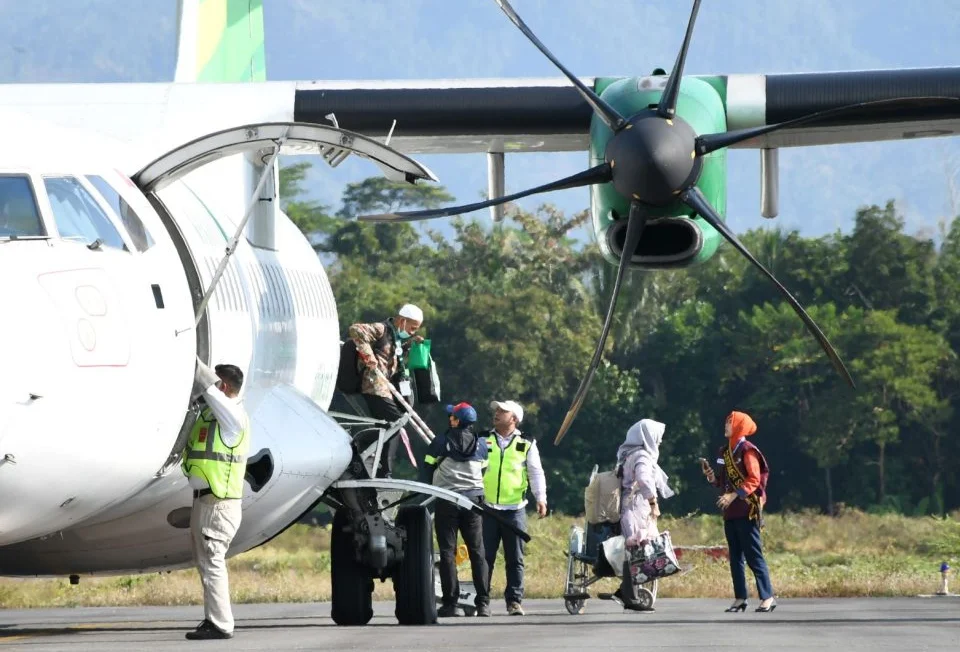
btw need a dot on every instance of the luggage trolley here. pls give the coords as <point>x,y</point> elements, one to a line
<point>587,564</point>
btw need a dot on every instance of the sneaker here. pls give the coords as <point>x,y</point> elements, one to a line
<point>483,611</point>
<point>207,630</point>
<point>514,609</point>
<point>448,611</point>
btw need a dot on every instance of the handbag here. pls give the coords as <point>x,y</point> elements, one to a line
<point>653,559</point>
<point>427,383</point>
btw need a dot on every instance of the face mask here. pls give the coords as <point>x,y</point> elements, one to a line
<point>403,335</point>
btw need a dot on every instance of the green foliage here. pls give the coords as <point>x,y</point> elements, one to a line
<point>309,216</point>
<point>514,310</point>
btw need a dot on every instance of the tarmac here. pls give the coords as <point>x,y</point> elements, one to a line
<point>849,624</point>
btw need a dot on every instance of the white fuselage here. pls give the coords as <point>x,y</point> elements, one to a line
<point>100,355</point>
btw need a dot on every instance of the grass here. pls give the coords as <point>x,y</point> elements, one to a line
<point>810,555</point>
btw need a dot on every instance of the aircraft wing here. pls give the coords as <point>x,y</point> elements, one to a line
<point>549,115</point>
<point>495,115</point>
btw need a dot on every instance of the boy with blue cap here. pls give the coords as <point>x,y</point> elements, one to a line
<point>457,460</point>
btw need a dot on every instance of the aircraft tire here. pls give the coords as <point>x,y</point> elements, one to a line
<point>413,579</point>
<point>352,582</point>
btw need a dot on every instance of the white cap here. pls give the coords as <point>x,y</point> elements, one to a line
<point>410,311</point>
<point>509,406</point>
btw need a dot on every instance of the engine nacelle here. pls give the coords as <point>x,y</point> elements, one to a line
<point>673,238</point>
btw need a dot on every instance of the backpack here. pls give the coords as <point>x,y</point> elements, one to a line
<point>602,498</point>
<point>348,374</point>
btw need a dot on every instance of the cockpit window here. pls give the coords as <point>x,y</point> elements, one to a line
<point>141,237</point>
<point>19,215</point>
<point>77,214</point>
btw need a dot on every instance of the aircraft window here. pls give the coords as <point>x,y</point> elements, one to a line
<point>142,240</point>
<point>19,215</point>
<point>77,214</point>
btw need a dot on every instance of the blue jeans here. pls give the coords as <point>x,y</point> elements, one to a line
<point>493,534</point>
<point>743,540</point>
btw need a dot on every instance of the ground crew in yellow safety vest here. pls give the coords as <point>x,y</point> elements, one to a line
<point>514,464</point>
<point>215,462</point>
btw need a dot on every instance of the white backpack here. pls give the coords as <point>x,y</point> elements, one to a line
<point>601,499</point>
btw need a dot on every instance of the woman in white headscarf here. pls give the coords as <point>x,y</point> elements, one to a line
<point>641,478</point>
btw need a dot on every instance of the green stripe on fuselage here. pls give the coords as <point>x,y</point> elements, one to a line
<point>236,26</point>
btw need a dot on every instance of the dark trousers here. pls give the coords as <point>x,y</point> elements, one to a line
<point>743,540</point>
<point>493,534</point>
<point>448,520</point>
<point>386,409</point>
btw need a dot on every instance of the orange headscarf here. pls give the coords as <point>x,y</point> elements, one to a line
<point>741,426</point>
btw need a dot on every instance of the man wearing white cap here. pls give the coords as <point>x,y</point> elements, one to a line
<point>514,464</point>
<point>381,347</point>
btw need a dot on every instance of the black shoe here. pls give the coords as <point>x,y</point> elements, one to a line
<point>207,630</point>
<point>764,610</point>
<point>636,606</point>
<point>448,611</point>
<point>483,611</point>
<point>737,607</point>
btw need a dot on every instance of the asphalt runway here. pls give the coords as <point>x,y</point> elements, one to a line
<point>801,624</point>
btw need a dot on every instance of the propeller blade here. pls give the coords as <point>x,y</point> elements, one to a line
<point>599,174</point>
<point>693,198</point>
<point>635,223</point>
<point>712,142</point>
<point>668,101</point>
<point>606,112</point>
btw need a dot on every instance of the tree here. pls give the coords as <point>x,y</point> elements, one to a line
<point>380,194</point>
<point>309,216</point>
<point>888,269</point>
<point>896,367</point>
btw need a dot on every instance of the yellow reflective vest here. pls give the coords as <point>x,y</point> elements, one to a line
<point>209,458</point>
<point>505,482</point>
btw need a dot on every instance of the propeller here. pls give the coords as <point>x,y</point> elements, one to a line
<point>635,223</point>
<point>712,142</point>
<point>654,157</point>
<point>599,174</point>
<point>671,91</point>
<point>693,198</point>
<point>604,111</point>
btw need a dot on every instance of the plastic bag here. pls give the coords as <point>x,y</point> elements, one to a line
<point>615,552</point>
<point>418,356</point>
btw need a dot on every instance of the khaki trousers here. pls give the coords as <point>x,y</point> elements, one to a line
<point>213,524</point>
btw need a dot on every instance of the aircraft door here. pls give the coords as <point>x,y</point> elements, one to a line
<point>331,143</point>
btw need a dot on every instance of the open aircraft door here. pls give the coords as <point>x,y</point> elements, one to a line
<point>331,143</point>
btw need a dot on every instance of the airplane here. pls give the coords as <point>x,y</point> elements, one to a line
<point>140,229</point>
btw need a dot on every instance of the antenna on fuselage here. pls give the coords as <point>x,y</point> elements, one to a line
<point>232,244</point>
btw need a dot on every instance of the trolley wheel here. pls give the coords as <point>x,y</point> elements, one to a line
<point>469,611</point>
<point>647,594</point>
<point>574,607</point>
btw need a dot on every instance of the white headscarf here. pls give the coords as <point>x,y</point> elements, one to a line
<point>644,438</point>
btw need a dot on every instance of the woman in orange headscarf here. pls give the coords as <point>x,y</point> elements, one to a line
<point>742,474</point>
